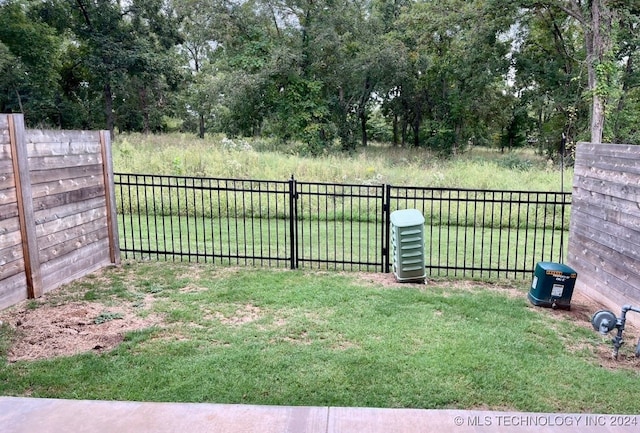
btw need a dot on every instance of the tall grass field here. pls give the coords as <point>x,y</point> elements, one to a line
<point>221,157</point>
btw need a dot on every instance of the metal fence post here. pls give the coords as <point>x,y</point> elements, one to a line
<point>293,211</point>
<point>386,216</point>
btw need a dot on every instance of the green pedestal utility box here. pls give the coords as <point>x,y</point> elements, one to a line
<point>407,245</point>
<point>552,285</point>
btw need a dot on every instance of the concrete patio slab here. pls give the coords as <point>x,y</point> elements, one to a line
<point>351,420</point>
<point>28,415</point>
<point>31,415</point>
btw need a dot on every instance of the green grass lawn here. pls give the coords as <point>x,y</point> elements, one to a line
<point>320,338</point>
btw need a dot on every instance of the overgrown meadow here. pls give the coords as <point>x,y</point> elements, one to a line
<point>221,157</point>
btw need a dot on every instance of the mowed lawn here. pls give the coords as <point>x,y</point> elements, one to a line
<point>282,337</point>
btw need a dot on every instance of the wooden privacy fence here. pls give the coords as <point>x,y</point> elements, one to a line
<point>604,238</point>
<point>57,214</point>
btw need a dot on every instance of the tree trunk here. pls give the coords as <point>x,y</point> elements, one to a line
<point>363,128</point>
<point>201,129</point>
<point>405,126</point>
<point>145,110</point>
<point>108,108</point>
<point>362,109</point>
<point>597,119</point>
<point>416,122</point>
<point>416,131</point>
<point>598,44</point>
<point>405,121</point>
<point>455,147</point>
<point>20,101</point>
<point>395,129</point>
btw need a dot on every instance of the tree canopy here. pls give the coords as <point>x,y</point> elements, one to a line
<point>444,74</point>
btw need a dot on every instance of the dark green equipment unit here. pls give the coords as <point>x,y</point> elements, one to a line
<point>552,285</point>
<point>407,245</point>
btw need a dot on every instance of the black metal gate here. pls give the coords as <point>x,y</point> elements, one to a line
<point>340,226</point>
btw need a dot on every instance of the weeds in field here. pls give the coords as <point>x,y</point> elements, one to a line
<point>220,157</point>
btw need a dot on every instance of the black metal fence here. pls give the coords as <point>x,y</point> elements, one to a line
<point>468,233</point>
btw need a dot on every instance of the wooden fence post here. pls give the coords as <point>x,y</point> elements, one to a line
<point>112,221</point>
<point>25,205</point>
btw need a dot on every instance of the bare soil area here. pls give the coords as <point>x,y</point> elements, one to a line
<point>63,330</point>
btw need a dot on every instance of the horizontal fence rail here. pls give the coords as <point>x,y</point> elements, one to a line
<point>468,233</point>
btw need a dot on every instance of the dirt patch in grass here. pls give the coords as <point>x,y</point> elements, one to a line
<point>582,309</point>
<point>385,280</point>
<point>49,331</point>
<point>192,288</point>
<point>389,281</point>
<point>245,314</point>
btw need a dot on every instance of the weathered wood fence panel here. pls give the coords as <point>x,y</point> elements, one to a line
<point>604,239</point>
<point>56,208</point>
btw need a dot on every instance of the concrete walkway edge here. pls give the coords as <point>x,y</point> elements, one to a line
<point>30,415</point>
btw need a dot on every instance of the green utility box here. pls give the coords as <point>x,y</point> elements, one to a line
<point>407,245</point>
<point>552,285</point>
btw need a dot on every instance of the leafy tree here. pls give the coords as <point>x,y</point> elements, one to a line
<point>549,76</point>
<point>11,81</point>
<point>459,63</point>
<point>443,74</point>
<point>597,20</point>
<point>203,26</point>
<point>300,71</point>
<point>31,59</point>
<point>625,125</point>
<point>124,54</point>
